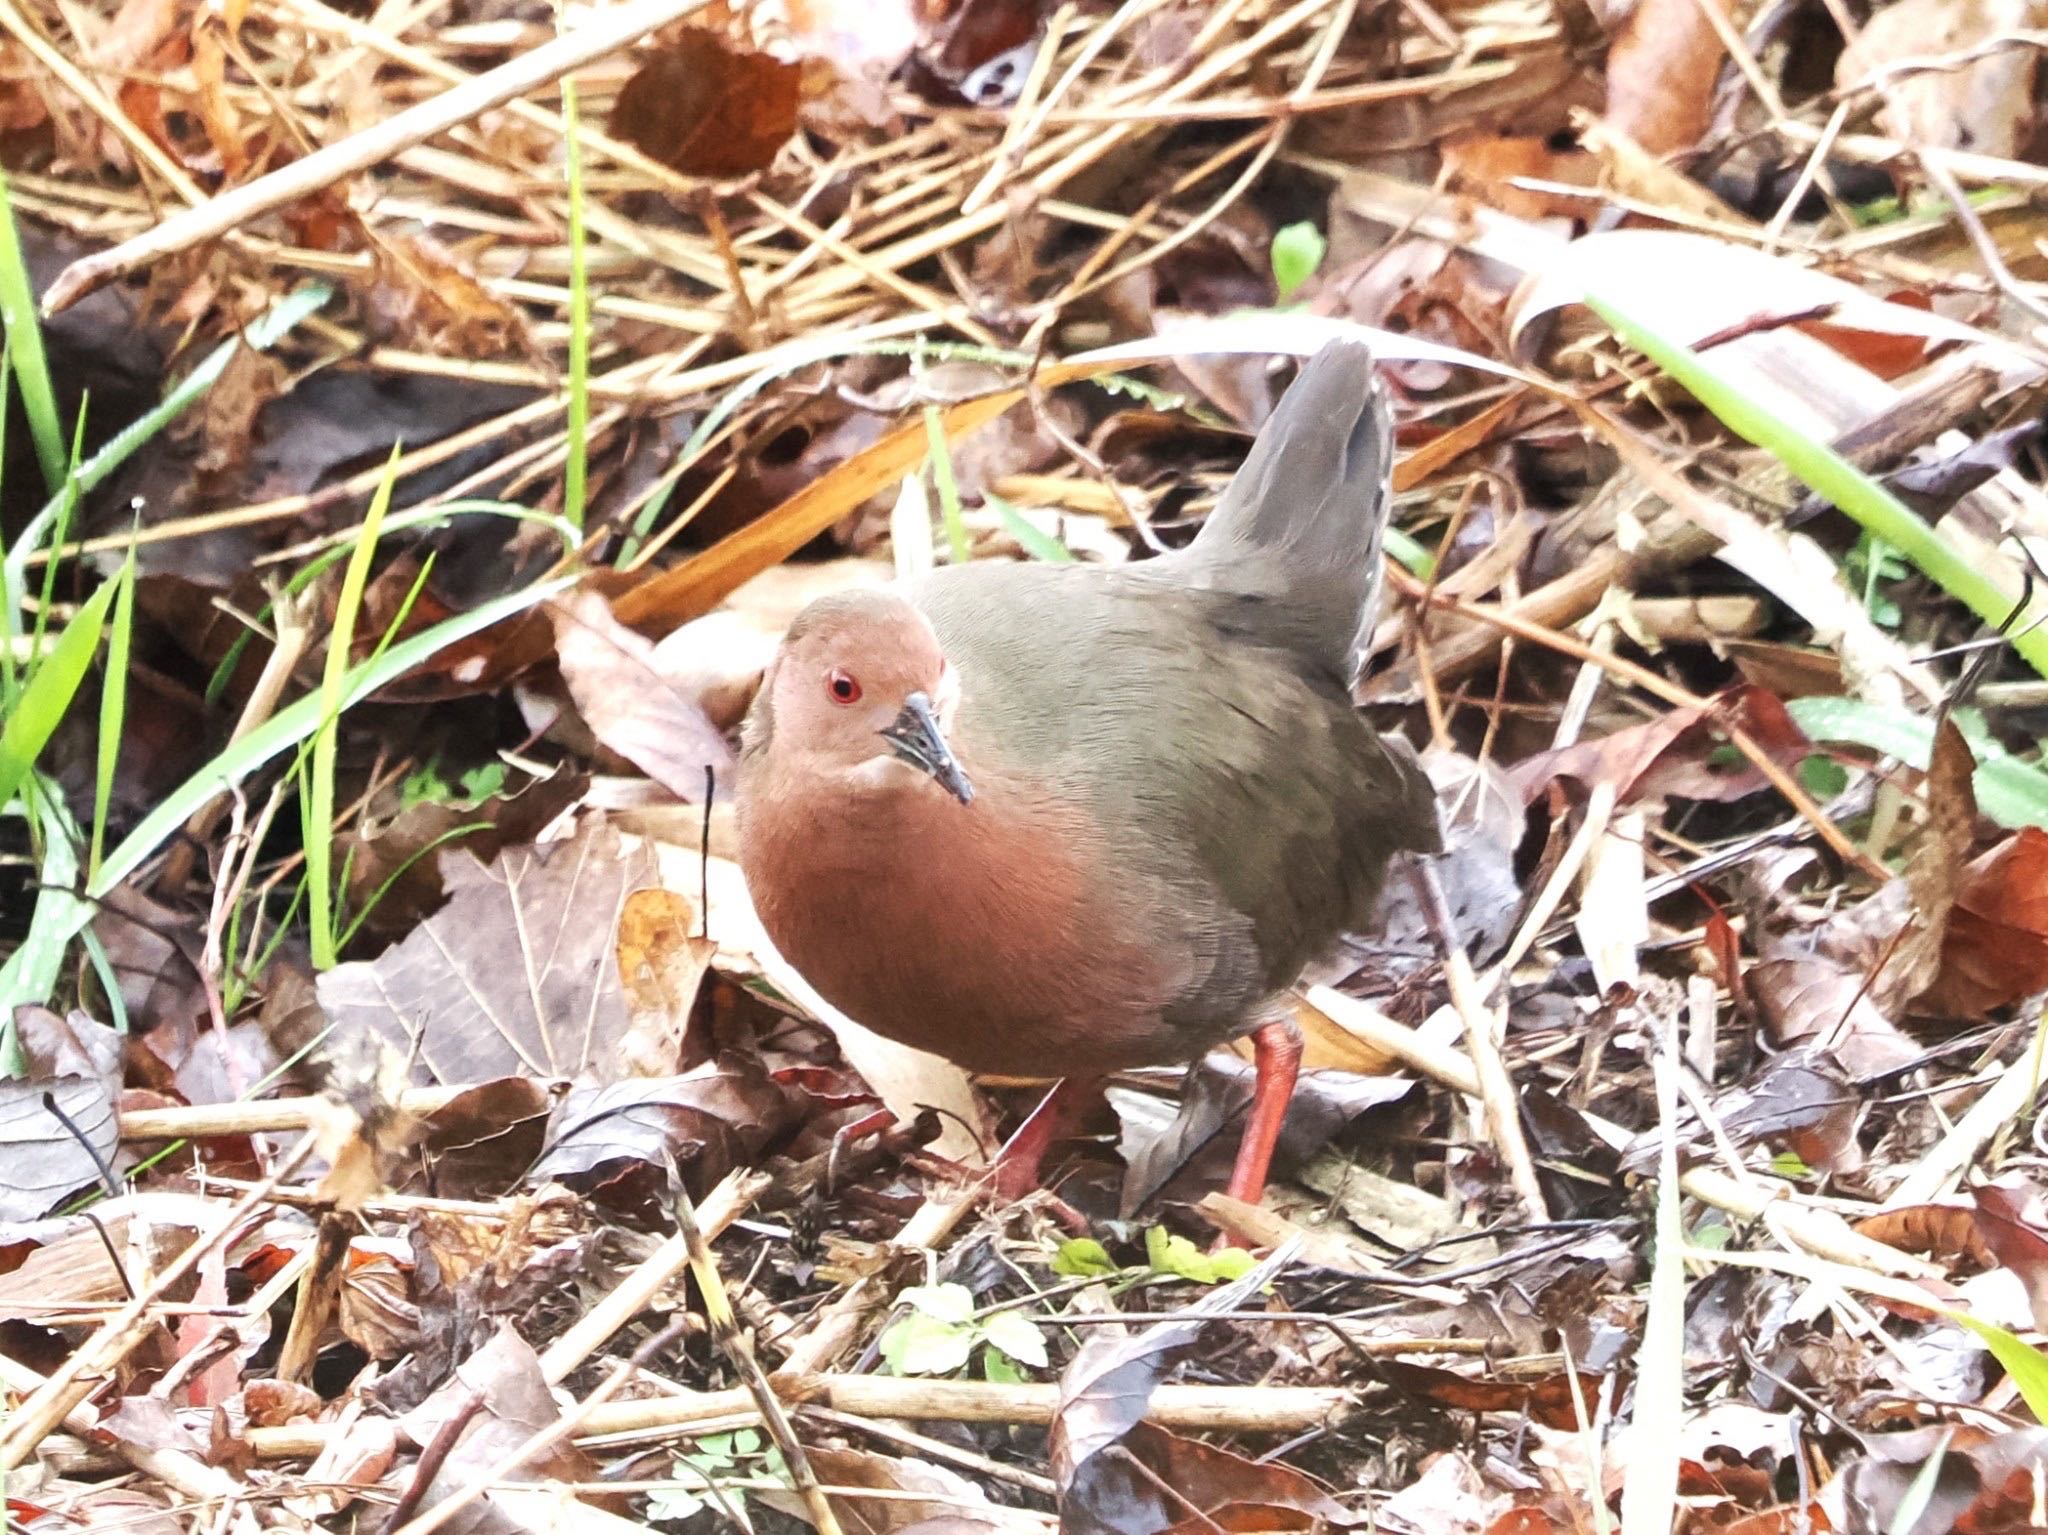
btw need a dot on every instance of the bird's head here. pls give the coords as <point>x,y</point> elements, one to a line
<point>860,681</point>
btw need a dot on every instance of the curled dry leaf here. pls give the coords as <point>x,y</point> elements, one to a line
<point>900,1479</point>
<point>426,297</point>
<point>1799,1101</point>
<point>1681,753</point>
<point>630,705</point>
<point>2013,1223</point>
<point>1106,1390</point>
<point>374,1307</point>
<point>496,1404</point>
<point>1164,1483</point>
<point>353,1460</point>
<point>1814,1000</point>
<point>1662,67</point>
<point>393,878</point>
<point>1838,986</point>
<point>1550,1400</point>
<point>67,1263</point>
<point>1946,1231</point>
<point>620,1140</point>
<point>662,961</point>
<point>1483,812</point>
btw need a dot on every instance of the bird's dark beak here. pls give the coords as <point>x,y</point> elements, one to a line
<point>917,739</point>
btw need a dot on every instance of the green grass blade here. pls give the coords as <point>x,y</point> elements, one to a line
<point>414,517</point>
<point>31,972</point>
<point>946,486</point>
<point>67,506</point>
<point>275,736</point>
<point>319,802</point>
<point>1031,538</point>
<point>2027,1365</point>
<point>47,695</point>
<point>113,705</point>
<point>274,323</point>
<point>1833,476</point>
<point>376,896</point>
<point>10,615</point>
<point>297,721</point>
<point>1410,555</point>
<point>25,339</point>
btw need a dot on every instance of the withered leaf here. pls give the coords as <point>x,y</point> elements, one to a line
<point>515,976</point>
<point>707,108</point>
<point>71,1072</point>
<point>629,705</point>
<point>1166,1482</point>
<point>1996,948</point>
<point>1107,1386</point>
<point>705,1123</point>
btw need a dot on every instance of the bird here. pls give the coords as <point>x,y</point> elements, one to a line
<point>1057,820</point>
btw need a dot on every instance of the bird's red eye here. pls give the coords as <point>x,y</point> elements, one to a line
<point>843,688</point>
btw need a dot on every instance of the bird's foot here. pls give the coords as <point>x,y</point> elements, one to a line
<point>1276,1065</point>
<point>1021,1162</point>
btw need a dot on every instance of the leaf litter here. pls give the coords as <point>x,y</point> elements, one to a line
<point>1728,772</point>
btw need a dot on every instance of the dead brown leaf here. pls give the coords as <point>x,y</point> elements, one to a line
<point>1682,752</point>
<point>426,297</point>
<point>1983,104</point>
<point>1995,950</point>
<point>497,1402</point>
<point>2012,1220</point>
<point>662,960</point>
<point>1104,1394</point>
<point>1661,69</point>
<point>708,107</point>
<point>629,705</point>
<point>1164,1483</point>
<point>616,1143</point>
<point>515,976</point>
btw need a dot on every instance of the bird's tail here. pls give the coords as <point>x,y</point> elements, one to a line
<point>1304,519</point>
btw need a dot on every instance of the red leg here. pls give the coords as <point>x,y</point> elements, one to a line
<point>1276,1063</point>
<point>1018,1164</point>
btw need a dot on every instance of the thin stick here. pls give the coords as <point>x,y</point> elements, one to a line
<point>261,1117</point>
<point>1496,1084</point>
<point>605,33</point>
<point>1221,1409</point>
